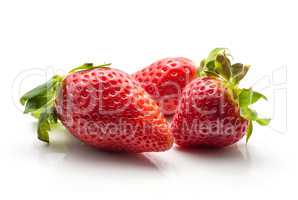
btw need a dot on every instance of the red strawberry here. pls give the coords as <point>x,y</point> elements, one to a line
<point>104,108</point>
<point>165,79</point>
<point>213,111</point>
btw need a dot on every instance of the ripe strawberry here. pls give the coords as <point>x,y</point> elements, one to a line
<point>102,107</point>
<point>213,110</point>
<point>165,79</point>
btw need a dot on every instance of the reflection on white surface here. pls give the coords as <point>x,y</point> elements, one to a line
<point>69,156</point>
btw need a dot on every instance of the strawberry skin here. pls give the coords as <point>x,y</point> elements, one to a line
<point>106,109</point>
<point>207,116</point>
<point>165,79</point>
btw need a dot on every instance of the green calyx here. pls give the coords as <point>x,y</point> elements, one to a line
<point>40,101</point>
<point>218,64</point>
<point>88,66</point>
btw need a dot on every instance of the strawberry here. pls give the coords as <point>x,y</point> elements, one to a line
<point>213,110</point>
<point>165,79</point>
<point>102,107</point>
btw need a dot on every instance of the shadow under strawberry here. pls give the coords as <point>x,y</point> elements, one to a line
<point>231,152</point>
<point>87,156</point>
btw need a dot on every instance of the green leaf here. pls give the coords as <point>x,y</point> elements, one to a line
<point>210,60</point>
<point>252,115</point>
<point>200,68</point>
<point>40,96</point>
<point>40,90</point>
<point>210,73</point>
<point>210,66</point>
<point>43,129</point>
<point>218,61</point>
<point>248,97</point>
<point>85,66</point>
<point>248,113</point>
<point>238,72</point>
<point>88,66</point>
<point>236,68</point>
<point>40,103</point>
<point>103,65</point>
<point>36,113</point>
<point>223,66</point>
<point>263,122</point>
<point>249,131</point>
<point>214,53</point>
<point>46,121</point>
<point>35,103</point>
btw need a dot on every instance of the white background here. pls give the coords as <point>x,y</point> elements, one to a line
<point>60,34</point>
